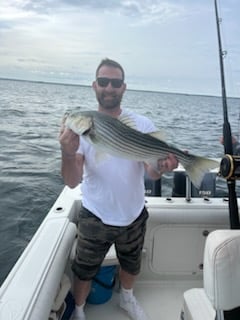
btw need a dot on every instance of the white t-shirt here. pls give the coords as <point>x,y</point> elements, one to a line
<point>113,188</point>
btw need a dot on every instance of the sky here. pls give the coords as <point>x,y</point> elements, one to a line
<point>168,45</point>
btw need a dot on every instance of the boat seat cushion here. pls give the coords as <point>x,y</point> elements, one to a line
<point>221,278</point>
<point>222,269</point>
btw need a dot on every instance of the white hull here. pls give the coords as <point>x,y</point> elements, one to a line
<point>172,259</point>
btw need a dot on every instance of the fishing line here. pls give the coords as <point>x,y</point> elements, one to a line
<point>228,54</point>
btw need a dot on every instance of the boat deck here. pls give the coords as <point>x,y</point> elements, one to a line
<point>161,300</point>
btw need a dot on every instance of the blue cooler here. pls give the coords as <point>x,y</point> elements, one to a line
<point>102,285</point>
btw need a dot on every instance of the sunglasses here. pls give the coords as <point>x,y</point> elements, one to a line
<point>104,82</point>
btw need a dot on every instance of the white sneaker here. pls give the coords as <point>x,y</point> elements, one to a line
<point>133,308</point>
<point>77,317</point>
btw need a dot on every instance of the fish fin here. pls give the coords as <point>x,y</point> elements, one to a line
<point>160,135</point>
<point>128,121</point>
<point>198,167</point>
<point>153,163</point>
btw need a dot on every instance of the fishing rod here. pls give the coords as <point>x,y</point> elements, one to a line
<point>238,137</point>
<point>230,165</point>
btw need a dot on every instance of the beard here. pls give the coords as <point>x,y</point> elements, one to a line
<point>109,101</point>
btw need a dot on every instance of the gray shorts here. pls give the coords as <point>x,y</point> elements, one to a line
<point>95,238</point>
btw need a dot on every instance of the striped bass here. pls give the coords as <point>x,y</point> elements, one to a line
<point>118,137</point>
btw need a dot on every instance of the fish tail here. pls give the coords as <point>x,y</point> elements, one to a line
<point>198,167</point>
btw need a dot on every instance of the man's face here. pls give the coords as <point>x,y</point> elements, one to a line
<point>109,94</point>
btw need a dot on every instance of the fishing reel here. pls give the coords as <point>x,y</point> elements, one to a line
<point>230,167</point>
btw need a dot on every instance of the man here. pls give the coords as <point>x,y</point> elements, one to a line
<point>113,208</point>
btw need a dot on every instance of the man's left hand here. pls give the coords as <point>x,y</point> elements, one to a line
<point>168,164</point>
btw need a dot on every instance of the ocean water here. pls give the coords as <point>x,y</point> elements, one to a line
<point>30,115</point>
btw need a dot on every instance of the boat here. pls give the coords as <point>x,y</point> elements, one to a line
<point>190,260</point>
<point>172,258</point>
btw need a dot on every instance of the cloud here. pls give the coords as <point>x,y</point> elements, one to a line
<point>147,11</point>
<point>158,41</point>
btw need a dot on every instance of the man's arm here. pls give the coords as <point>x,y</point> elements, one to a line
<point>72,162</point>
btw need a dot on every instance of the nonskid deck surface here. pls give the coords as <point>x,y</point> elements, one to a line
<point>160,300</point>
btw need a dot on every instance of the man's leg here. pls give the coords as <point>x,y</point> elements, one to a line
<point>129,248</point>
<point>81,290</point>
<point>128,302</point>
<point>127,280</point>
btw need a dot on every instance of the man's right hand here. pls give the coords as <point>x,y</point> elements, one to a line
<point>69,141</point>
